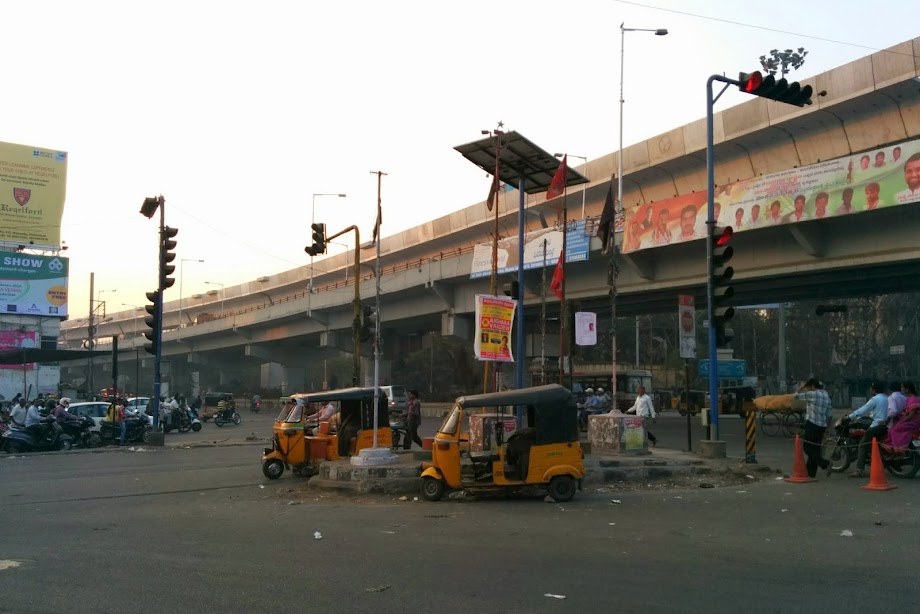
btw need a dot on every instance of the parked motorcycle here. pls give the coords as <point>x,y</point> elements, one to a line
<point>22,440</point>
<point>227,416</point>
<point>841,449</point>
<point>82,432</point>
<point>137,430</point>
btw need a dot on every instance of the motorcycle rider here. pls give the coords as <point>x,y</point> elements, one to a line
<point>256,402</point>
<point>18,415</point>
<point>878,407</point>
<point>35,421</point>
<point>62,416</point>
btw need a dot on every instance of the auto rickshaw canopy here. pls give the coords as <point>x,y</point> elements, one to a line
<point>551,410</point>
<point>354,404</point>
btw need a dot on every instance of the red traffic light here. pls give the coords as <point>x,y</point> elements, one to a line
<point>751,81</point>
<point>724,237</point>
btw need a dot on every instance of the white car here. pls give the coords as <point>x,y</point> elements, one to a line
<point>98,409</point>
<point>137,404</point>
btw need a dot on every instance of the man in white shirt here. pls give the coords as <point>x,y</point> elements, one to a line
<point>912,179</point>
<point>645,409</point>
<point>18,415</point>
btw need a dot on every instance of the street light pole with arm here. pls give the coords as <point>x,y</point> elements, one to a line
<point>217,283</point>
<point>180,284</point>
<point>614,270</point>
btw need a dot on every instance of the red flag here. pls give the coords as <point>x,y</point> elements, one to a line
<point>557,185</point>
<point>558,276</point>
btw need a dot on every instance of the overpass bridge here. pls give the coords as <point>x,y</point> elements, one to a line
<point>273,329</point>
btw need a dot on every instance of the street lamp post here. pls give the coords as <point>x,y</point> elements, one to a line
<point>217,283</point>
<point>584,187</point>
<point>614,271</point>
<point>312,221</point>
<point>137,355</point>
<point>180,284</point>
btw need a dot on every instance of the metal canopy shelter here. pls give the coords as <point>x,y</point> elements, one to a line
<point>520,162</point>
<point>523,164</point>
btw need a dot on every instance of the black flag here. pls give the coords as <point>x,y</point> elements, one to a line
<point>606,225</point>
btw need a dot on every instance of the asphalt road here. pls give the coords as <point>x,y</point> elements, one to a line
<point>200,530</point>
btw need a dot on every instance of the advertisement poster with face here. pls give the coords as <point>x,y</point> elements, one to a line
<point>884,177</point>
<point>494,320</point>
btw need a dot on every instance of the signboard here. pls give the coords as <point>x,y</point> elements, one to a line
<point>585,328</point>
<point>32,188</point>
<point>13,340</point>
<point>576,250</point>
<point>494,318</point>
<point>728,369</point>
<point>686,318</point>
<point>881,178</point>
<point>896,349</point>
<point>33,285</point>
<point>633,433</point>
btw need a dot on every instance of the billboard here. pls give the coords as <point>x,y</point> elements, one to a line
<point>33,183</point>
<point>13,340</point>
<point>536,255</point>
<point>881,178</point>
<point>33,285</point>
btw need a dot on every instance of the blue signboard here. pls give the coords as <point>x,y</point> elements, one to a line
<point>541,248</point>
<point>728,369</point>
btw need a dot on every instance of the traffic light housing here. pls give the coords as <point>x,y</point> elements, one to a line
<point>153,322</point>
<point>768,87</point>
<point>368,323</point>
<point>511,289</point>
<point>319,240</point>
<point>167,244</point>
<point>721,276</point>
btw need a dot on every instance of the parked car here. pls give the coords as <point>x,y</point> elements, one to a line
<point>137,404</point>
<point>397,398</point>
<point>93,409</point>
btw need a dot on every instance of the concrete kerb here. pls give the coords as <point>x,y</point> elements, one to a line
<point>401,478</point>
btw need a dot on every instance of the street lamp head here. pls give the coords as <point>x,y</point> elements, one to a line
<point>661,32</point>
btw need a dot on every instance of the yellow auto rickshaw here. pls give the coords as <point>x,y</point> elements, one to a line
<point>494,454</point>
<point>300,444</point>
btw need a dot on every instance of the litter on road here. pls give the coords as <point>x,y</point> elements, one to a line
<point>846,533</point>
<point>317,535</point>
<point>554,596</point>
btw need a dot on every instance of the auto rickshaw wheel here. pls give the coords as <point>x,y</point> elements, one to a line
<point>432,489</point>
<point>272,468</point>
<point>562,488</point>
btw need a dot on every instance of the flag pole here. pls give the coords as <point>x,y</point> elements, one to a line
<point>493,194</point>
<point>563,342</point>
<point>543,319</point>
<point>613,273</point>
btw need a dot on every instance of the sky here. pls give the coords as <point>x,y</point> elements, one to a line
<point>238,112</point>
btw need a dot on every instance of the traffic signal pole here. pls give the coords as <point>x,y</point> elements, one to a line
<point>764,87</point>
<point>710,229</point>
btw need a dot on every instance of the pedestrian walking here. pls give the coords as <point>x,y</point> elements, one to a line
<point>413,420</point>
<point>644,408</point>
<point>818,415</point>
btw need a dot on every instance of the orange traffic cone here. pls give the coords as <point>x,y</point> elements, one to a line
<point>877,479</point>
<point>799,475</point>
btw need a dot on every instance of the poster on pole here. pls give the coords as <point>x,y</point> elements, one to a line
<point>585,328</point>
<point>494,319</point>
<point>32,188</point>
<point>687,328</point>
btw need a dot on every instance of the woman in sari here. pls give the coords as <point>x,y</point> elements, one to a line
<point>907,422</point>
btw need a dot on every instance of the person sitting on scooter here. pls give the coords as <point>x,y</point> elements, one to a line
<point>62,416</point>
<point>878,407</point>
<point>35,421</point>
<point>18,415</point>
